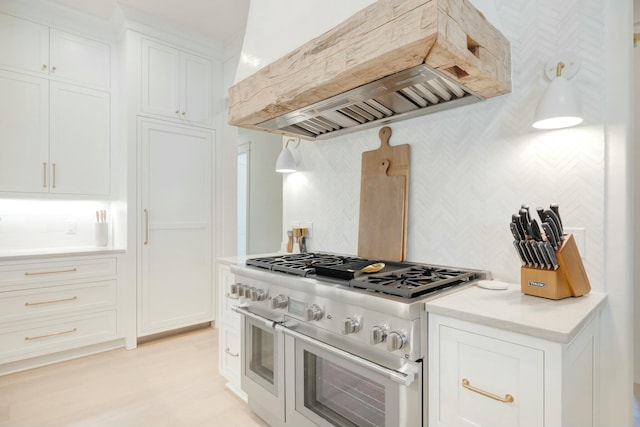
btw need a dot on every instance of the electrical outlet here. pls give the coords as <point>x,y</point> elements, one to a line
<point>72,227</point>
<point>579,236</point>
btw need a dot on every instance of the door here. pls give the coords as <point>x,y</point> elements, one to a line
<point>327,387</point>
<point>176,243</point>
<point>79,59</point>
<point>24,148</point>
<point>80,148</point>
<point>25,45</point>
<point>197,89</point>
<point>160,79</point>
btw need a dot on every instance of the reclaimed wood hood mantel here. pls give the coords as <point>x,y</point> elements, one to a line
<point>394,59</point>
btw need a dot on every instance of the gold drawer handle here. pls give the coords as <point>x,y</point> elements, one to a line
<point>37,273</point>
<point>70,331</point>
<point>226,350</point>
<point>29,304</point>
<point>507,397</point>
<point>231,296</point>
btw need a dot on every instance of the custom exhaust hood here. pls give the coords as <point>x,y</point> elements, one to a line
<point>393,60</point>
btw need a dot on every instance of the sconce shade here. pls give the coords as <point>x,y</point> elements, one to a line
<point>558,107</point>
<point>286,163</point>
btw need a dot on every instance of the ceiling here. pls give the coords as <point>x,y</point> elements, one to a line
<point>221,20</point>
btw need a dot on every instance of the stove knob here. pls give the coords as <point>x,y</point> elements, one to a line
<point>351,325</point>
<point>279,301</point>
<point>396,340</point>
<point>314,312</point>
<point>235,289</point>
<point>378,335</point>
<point>258,294</point>
<point>242,290</point>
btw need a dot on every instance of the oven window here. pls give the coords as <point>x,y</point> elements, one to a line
<point>262,352</point>
<point>340,396</point>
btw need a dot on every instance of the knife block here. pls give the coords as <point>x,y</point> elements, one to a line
<point>569,280</point>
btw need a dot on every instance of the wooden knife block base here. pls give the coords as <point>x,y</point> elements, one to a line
<point>569,280</point>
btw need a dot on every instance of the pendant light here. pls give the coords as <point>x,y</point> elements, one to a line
<point>559,108</point>
<point>286,163</point>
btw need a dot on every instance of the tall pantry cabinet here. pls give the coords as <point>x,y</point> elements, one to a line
<point>170,91</point>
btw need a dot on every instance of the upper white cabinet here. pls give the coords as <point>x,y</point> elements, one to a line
<point>176,84</point>
<point>80,149</point>
<point>24,151</point>
<point>55,137</point>
<point>34,48</point>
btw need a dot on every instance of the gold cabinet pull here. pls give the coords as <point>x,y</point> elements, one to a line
<point>231,296</point>
<point>30,304</point>
<point>44,66</point>
<point>507,397</point>
<point>53,180</point>
<point>70,331</point>
<point>44,174</point>
<point>53,69</point>
<point>226,350</point>
<point>146,227</point>
<point>38,273</point>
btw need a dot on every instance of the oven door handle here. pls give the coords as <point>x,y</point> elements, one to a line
<point>244,312</point>
<point>402,378</point>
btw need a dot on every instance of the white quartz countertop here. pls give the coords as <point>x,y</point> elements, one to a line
<point>553,320</point>
<point>26,254</point>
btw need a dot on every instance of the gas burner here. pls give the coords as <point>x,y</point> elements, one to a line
<point>406,280</point>
<point>414,282</point>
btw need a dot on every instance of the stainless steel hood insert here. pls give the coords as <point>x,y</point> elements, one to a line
<point>409,93</point>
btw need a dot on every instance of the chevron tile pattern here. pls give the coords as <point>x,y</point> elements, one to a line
<point>472,167</point>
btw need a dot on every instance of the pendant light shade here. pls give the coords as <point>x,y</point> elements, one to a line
<point>286,163</point>
<point>558,107</point>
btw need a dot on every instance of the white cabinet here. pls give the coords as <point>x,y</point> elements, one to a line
<point>176,84</point>
<point>175,241</point>
<point>55,137</point>
<point>229,331</point>
<point>34,48</point>
<point>483,376</point>
<point>80,148</point>
<point>24,151</point>
<point>56,305</point>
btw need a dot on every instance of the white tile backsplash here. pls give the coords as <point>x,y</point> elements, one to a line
<point>472,167</point>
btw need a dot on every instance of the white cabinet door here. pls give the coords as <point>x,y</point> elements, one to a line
<point>160,79</point>
<point>79,59</point>
<point>80,146</point>
<point>176,84</point>
<point>197,91</point>
<point>24,45</point>
<point>176,287</point>
<point>24,130</point>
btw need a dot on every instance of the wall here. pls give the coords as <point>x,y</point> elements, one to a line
<point>636,119</point>
<point>471,168</point>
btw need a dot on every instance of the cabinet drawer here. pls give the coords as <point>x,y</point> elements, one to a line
<point>477,374</point>
<point>230,354</point>
<point>22,274</point>
<point>57,299</point>
<point>38,338</point>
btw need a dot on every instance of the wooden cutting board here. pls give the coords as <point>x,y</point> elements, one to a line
<point>384,190</point>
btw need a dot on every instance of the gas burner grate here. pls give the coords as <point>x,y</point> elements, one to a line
<point>414,282</point>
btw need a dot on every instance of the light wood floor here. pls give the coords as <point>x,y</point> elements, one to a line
<point>172,381</point>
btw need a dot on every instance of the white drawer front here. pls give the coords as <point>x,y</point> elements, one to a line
<point>36,339</point>
<point>57,300</point>
<point>476,370</point>
<point>19,275</point>
<point>230,354</point>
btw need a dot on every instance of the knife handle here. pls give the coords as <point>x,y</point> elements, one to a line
<point>556,209</point>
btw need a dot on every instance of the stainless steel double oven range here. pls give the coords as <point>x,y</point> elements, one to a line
<point>326,344</point>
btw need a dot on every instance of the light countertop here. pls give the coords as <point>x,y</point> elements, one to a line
<point>553,320</point>
<point>26,254</point>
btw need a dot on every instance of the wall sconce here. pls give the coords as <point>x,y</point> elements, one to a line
<point>558,107</point>
<point>286,163</point>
